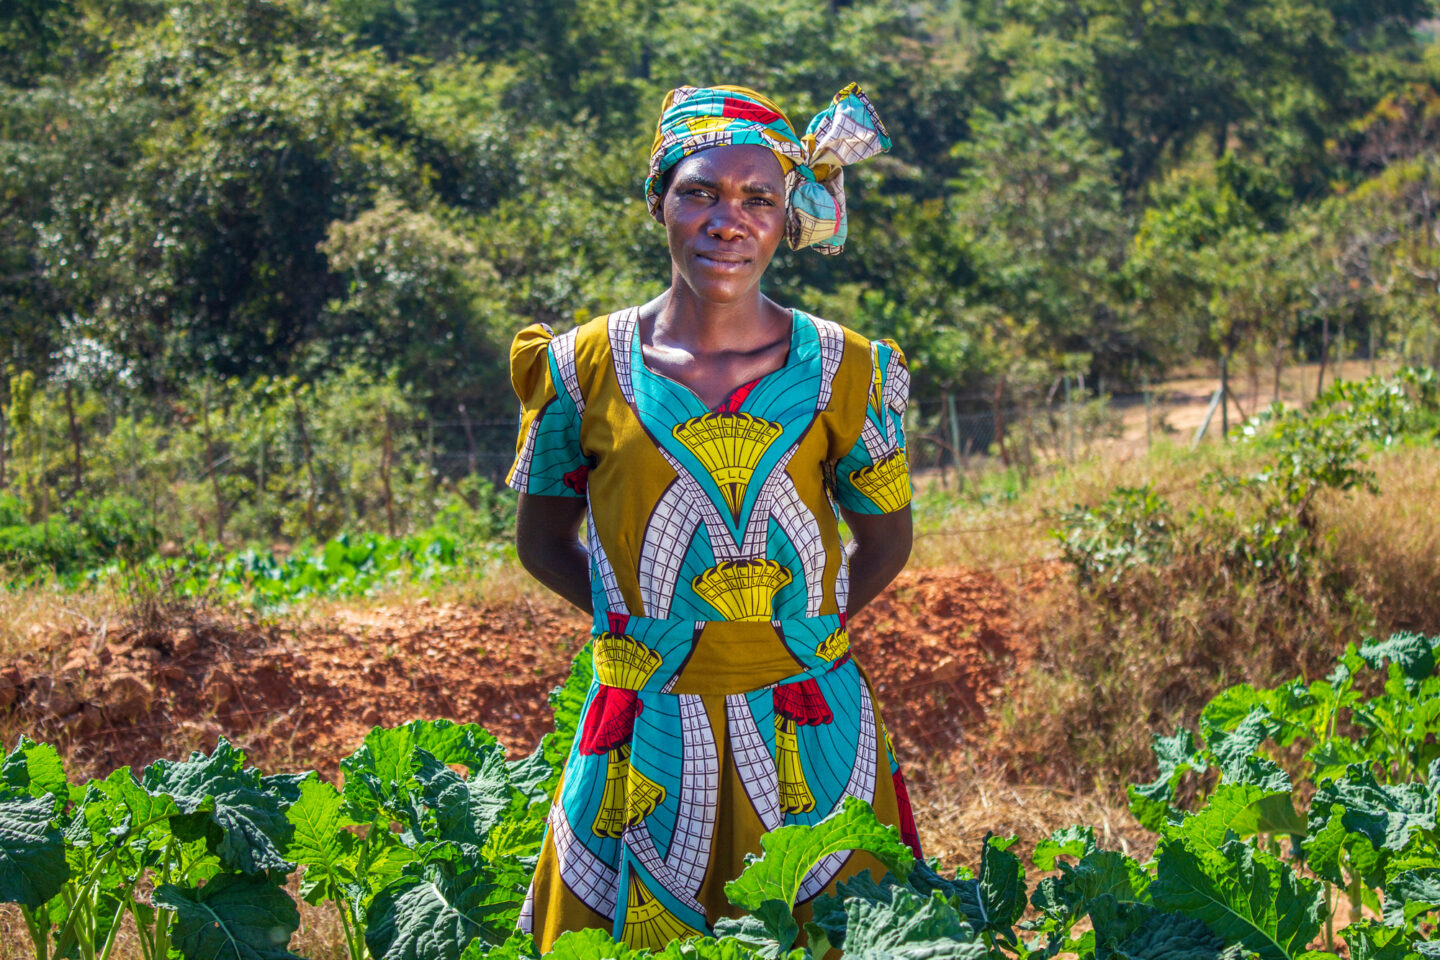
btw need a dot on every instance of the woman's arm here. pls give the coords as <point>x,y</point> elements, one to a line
<point>881,547</point>
<point>547,539</point>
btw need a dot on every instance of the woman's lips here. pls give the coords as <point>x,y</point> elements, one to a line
<point>723,261</point>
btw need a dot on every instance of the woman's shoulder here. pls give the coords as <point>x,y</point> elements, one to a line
<point>857,348</point>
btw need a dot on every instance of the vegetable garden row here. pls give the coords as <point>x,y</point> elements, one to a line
<point>1310,829</point>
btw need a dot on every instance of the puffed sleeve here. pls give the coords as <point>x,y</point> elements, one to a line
<point>874,477</point>
<point>548,458</point>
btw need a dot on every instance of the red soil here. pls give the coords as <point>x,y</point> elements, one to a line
<point>938,645</point>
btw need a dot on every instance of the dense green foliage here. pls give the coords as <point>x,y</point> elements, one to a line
<point>424,862</point>
<point>223,218</point>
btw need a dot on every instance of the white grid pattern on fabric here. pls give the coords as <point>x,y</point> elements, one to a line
<point>614,598</point>
<point>846,137</point>
<point>759,523</point>
<point>667,538</point>
<point>695,815</point>
<point>563,348</point>
<point>861,784</point>
<point>622,331</point>
<point>799,525</point>
<point>876,443</point>
<point>842,583</point>
<point>832,350</point>
<point>721,541</point>
<point>526,922</point>
<point>592,880</point>
<point>639,842</point>
<point>753,761</point>
<point>897,384</point>
<point>521,475</point>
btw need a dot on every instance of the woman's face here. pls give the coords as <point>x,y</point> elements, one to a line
<point>724,215</point>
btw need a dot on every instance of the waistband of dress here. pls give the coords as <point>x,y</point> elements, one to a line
<point>711,657</point>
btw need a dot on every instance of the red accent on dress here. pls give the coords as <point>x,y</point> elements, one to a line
<point>731,404</point>
<point>908,833</point>
<point>577,479</point>
<point>610,721</point>
<point>802,702</point>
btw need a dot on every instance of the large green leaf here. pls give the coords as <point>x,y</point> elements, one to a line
<point>908,926</point>
<point>242,821</point>
<point>1243,895</point>
<point>591,944</point>
<point>1171,936</point>
<point>1411,894</point>
<point>1411,652</point>
<point>768,932</point>
<point>1244,809</point>
<point>790,852</point>
<point>380,773</point>
<point>1369,940</point>
<point>1067,842</point>
<point>32,851</point>
<point>233,917</point>
<point>1385,814</point>
<point>321,843</point>
<point>567,700</point>
<point>1176,756</point>
<point>34,769</point>
<point>437,907</point>
<point>520,946</point>
<point>466,810</point>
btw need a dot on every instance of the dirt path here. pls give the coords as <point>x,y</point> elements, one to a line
<point>939,646</point>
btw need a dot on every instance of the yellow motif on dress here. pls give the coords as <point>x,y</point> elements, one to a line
<point>835,646</point>
<point>644,795</point>
<point>795,795</point>
<point>876,395</point>
<point>629,795</point>
<point>649,925</point>
<point>742,589</point>
<point>624,662</point>
<point>610,818</point>
<point>730,446</point>
<point>886,483</point>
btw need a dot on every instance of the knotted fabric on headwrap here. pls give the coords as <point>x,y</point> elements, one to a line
<point>845,132</point>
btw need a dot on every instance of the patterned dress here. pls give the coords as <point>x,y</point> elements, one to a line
<point>725,702</point>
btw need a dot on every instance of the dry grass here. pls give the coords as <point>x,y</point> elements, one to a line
<point>1120,662</point>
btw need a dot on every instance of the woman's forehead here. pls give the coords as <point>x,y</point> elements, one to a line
<point>733,162</point>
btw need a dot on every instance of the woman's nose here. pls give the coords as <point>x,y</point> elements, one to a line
<point>726,223</point>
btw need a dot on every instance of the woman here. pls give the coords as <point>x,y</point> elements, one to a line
<point>707,438</point>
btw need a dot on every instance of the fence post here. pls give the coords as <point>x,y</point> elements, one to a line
<point>260,487</point>
<point>1324,352</point>
<point>1145,387</point>
<point>1069,422</point>
<point>385,455</point>
<point>309,457</point>
<point>954,438</point>
<point>469,437</point>
<point>212,467</point>
<point>1000,420</point>
<point>4,435</point>
<point>1225,396</point>
<point>1372,346</point>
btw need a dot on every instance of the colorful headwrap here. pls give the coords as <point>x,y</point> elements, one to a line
<point>847,131</point>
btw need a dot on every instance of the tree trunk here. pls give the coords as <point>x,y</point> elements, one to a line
<point>79,465</point>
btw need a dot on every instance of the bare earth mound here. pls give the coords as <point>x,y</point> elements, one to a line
<point>939,646</point>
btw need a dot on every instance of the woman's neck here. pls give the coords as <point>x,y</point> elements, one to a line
<point>680,317</point>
